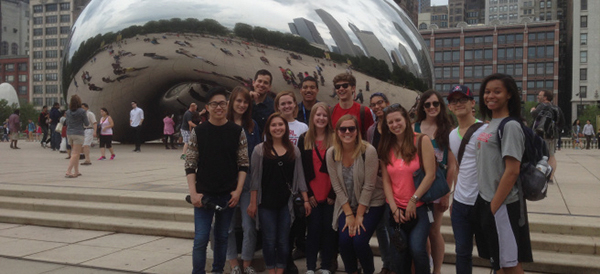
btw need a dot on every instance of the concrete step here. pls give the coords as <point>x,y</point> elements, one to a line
<point>136,211</point>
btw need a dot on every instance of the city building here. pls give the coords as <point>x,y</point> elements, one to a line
<point>411,7</point>
<point>438,15</point>
<point>520,11</point>
<point>371,45</point>
<point>14,25</point>
<point>424,4</point>
<point>50,26</point>
<point>528,52</point>
<point>306,29</point>
<point>343,43</point>
<point>586,60</point>
<point>14,70</point>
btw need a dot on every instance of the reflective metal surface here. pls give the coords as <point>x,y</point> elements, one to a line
<point>167,54</point>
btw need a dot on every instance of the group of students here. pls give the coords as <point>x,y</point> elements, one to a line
<point>348,174</point>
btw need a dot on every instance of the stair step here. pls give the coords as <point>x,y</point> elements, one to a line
<point>104,223</point>
<point>570,244</point>
<point>169,213</point>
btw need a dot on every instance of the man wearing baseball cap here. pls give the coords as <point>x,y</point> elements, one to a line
<point>463,141</point>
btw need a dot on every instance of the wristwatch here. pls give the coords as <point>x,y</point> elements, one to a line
<point>415,197</point>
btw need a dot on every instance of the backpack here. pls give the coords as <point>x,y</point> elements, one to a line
<point>533,183</point>
<point>545,123</point>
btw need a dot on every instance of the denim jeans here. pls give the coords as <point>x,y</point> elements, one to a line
<point>275,227</point>
<point>55,138</point>
<point>320,236</point>
<point>45,135</point>
<point>383,239</point>
<point>249,228</point>
<point>203,219</point>
<point>417,242</point>
<point>463,225</point>
<point>137,132</point>
<point>357,247</point>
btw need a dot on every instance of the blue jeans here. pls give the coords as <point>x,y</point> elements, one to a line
<point>275,227</point>
<point>320,236</point>
<point>203,220</point>
<point>55,138</point>
<point>249,228</point>
<point>357,247</point>
<point>383,239</point>
<point>417,242</point>
<point>463,225</point>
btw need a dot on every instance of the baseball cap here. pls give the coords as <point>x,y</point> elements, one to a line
<point>462,89</point>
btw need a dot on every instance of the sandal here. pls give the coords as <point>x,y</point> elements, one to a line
<point>70,176</point>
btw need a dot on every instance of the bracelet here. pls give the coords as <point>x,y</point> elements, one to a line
<point>395,211</point>
<point>306,201</point>
<point>348,215</point>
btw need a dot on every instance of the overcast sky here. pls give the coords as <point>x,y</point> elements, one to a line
<point>439,2</point>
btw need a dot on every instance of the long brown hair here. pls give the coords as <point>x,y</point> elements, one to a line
<point>75,103</point>
<point>285,139</point>
<point>247,121</point>
<point>311,134</point>
<point>443,122</point>
<point>389,142</point>
<point>288,93</point>
<point>361,146</point>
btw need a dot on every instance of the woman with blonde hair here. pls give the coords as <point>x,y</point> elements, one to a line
<point>352,165</point>
<point>75,121</point>
<point>313,145</point>
<point>287,105</point>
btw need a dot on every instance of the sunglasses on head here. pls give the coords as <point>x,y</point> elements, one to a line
<point>351,129</point>
<point>392,107</point>
<point>428,104</point>
<point>344,85</point>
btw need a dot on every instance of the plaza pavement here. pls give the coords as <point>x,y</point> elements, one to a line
<point>34,249</point>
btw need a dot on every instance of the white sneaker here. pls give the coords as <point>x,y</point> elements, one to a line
<point>310,272</point>
<point>324,271</point>
<point>249,270</point>
<point>236,270</point>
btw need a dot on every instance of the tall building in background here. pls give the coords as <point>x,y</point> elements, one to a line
<point>14,25</point>
<point>437,15</point>
<point>411,7</point>
<point>372,45</point>
<point>50,26</point>
<point>306,29</point>
<point>342,41</point>
<point>586,61</point>
<point>520,11</point>
<point>424,4</point>
<point>456,12</point>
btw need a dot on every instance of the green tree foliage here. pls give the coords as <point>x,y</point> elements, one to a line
<point>590,112</point>
<point>27,111</point>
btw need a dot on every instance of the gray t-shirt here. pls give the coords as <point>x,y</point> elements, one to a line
<point>490,163</point>
<point>186,118</point>
<point>348,174</point>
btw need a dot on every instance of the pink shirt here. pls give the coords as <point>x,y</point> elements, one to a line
<point>321,184</point>
<point>169,126</point>
<point>401,175</point>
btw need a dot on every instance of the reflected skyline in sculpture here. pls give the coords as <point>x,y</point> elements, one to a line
<point>138,50</point>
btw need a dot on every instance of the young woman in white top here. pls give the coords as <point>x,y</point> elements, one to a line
<point>286,104</point>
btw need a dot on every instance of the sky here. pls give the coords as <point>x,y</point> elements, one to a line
<point>439,2</point>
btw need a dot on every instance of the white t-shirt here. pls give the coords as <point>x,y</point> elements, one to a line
<point>136,116</point>
<point>92,118</point>
<point>296,129</point>
<point>466,189</point>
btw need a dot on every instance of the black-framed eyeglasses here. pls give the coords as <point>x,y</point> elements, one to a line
<point>392,107</point>
<point>213,104</point>
<point>378,103</point>
<point>351,129</point>
<point>428,104</point>
<point>344,85</point>
<point>461,100</point>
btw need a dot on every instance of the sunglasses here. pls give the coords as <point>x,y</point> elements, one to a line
<point>428,104</point>
<point>351,129</point>
<point>392,107</point>
<point>461,100</point>
<point>344,85</point>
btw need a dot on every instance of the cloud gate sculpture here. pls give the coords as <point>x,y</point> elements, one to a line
<point>166,54</point>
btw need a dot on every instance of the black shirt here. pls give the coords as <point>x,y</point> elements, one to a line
<point>275,188</point>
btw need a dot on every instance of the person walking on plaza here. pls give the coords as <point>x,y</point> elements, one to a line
<point>168,131</point>
<point>187,125</point>
<point>545,98</point>
<point>75,121</point>
<point>352,165</point>
<point>30,131</point>
<point>239,111</point>
<point>216,165</point>
<point>462,143</point>
<point>576,132</point>
<point>43,123</point>
<point>14,125</point>
<point>501,215</point>
<point>90,133</point>
<point>345,87</point>
<point>106,132</point>
<point>136,118</point>
<point>55,115</point>
<point>588,132</point>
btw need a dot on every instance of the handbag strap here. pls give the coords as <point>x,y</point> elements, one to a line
<point>466,138</point>
<point>280,164</point>
<point>419,153</point>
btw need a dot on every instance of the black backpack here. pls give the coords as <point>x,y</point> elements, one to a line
<point>545,123</point>
<point>533,184</point>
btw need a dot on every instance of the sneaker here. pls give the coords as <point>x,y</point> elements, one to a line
<point>112,157</point>
<point>325,271</point>
<point>236,270</point>
<point>102,158</point>
<point>182,157</point>
<point>249,270</point>
<point>310,272</point>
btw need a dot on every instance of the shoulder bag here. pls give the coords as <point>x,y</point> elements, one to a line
<point>439,187</point>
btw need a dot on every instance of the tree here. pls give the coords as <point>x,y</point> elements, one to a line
<point>244,31</point>
<point>27,111</point>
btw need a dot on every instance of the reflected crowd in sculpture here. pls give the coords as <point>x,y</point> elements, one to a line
<point>166,54</point>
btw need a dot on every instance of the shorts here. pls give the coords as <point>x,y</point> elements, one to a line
<point>75,139</point>
<point>185,134</point>
<point>14,136</point>
<point>89,137</point>
<point>105,141</point>
<point>499,237</point>
<point>551,144</point>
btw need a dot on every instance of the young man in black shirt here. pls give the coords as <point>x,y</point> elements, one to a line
<point>216,166</point>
